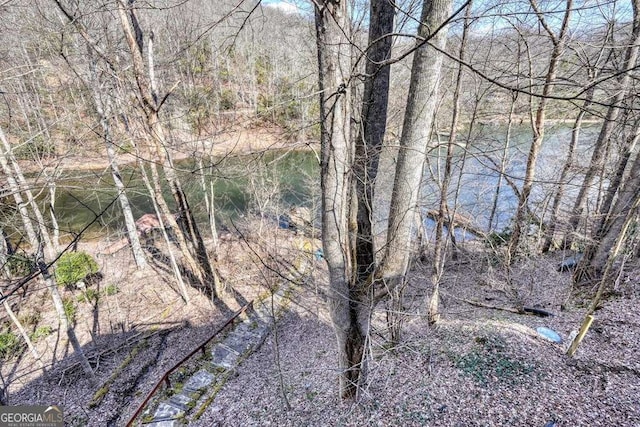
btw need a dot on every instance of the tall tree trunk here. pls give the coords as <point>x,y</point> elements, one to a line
<point>368,145</point>
<point>371,133</point>
<point>439,251</point>
<point>538,124</point>
<point>613,111</point>
<point>202,268</point>
<point>575,136</point>
<point>38,244</point>
<point>349,317</point>
<point>595,258</point>
<point>103,110</point>
<point>414,142</point>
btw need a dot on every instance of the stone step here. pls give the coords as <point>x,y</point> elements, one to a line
<point>199,381</point>
<point>201,387</point>
<point>223,357</point>
<point>170,423</point>
<point>256,329</point>
<point>182,401</point>
<point>167,412</point>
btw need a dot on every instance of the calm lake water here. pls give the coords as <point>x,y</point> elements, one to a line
<point>270,182</point>
<point>275,181</point>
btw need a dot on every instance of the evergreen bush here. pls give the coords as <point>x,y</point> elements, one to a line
<point>73,267</point>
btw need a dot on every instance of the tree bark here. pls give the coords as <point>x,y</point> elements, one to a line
<point>200,265</point>
<point>613,111</point>
<point>538,124</point>
<point>414,142</point>
<point>102,107</point>
<point>617,180</point>
<point>38,244</point>
<point>349,316</point>
<point>174,264</point>
<point>595,258</point>
<point>439,250</point>
<point>371,133</point>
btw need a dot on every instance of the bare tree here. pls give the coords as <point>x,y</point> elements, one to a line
<point>414,142</point>
<point>443,210</point>
<point>349,316</point>
<point>103,106</point>
<point>151,104</point>
<point>558,40</point>
<point>613,111</point>
<point>12,170</point>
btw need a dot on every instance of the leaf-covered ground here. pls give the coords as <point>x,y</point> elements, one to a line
<point>478,366</point>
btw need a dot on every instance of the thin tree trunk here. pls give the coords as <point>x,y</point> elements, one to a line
<point>202,268</point>
<point>20,187</point>
<point>598,156</point>
<point>63,321</point>
<point>414,142</point>
<point>102,108</point>
<point>208,201</point>
<point>538,124</point>
<point>4,254</point>
<point>575,136</point>
<point>503,160</point>
<point>38,245</point>
<point>55,240</point>
<point>23,332</point>
<point>439,251</point>
<point>172,259</point>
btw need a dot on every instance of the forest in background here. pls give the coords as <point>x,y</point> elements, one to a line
<point>398,101</point>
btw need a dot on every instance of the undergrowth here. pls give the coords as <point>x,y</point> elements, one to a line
<point>490,361</point>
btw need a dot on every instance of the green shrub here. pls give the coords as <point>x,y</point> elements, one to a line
<point>111,290</point>
<point>41,332</point>
<point>70,309</point>
<point>227,100</point>
<point>20,265</point>
<point>75,266</point>
<point>10,344</point>
<point>495,239</point>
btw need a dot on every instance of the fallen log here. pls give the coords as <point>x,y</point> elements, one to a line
<point>525,310</point>
<point>458,221</point>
